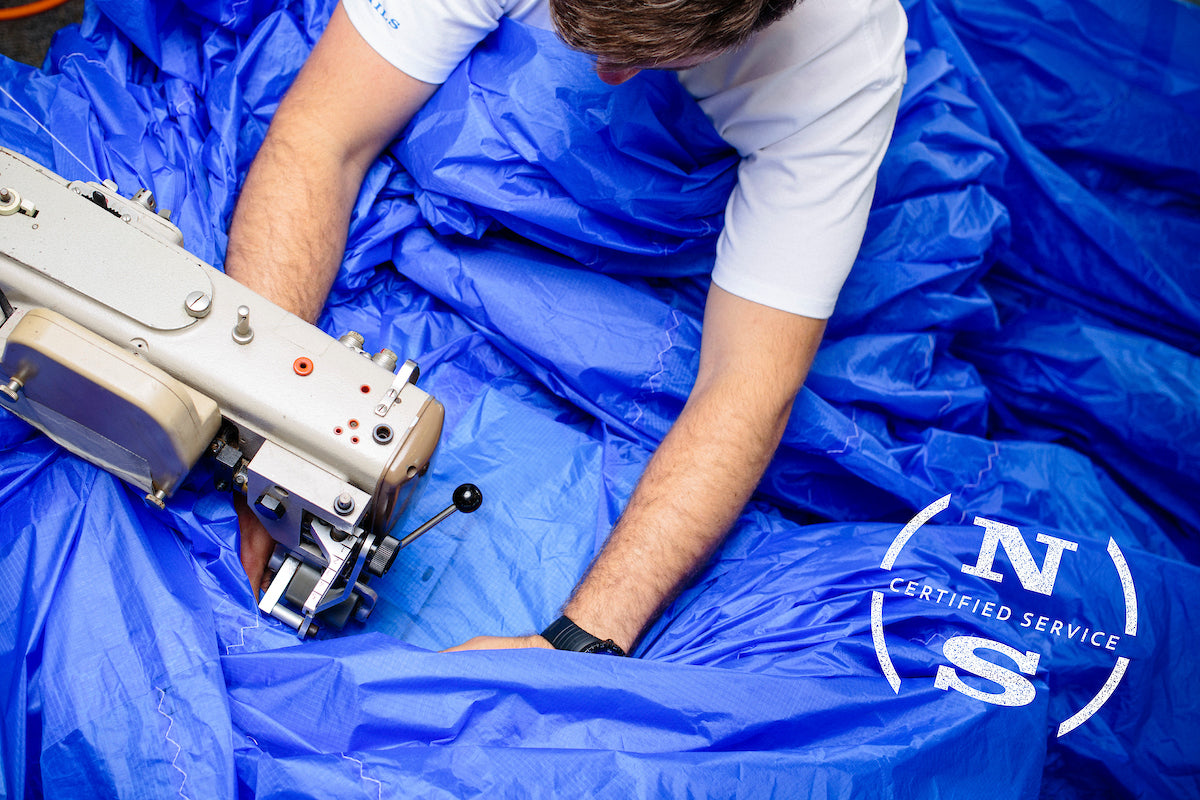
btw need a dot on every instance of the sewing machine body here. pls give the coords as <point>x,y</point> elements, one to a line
<point>134,354</point>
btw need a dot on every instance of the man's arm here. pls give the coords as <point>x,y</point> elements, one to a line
<point>753,361</point>
<point>288,233</point>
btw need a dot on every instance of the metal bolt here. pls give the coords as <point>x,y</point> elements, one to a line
<point>242,334</point>
<point>157,498</point>
<point>5,194</point>
<point>270,506</point>
<point>344,504</point>
<point>198,304</point>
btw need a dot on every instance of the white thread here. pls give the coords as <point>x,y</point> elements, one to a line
<point>51,135</point>
<point>854,438</point>
<point>662,365</point>
<point>241,642</point>
<point>987,468</point>
<point>162,696</point>
<point>361,774</point>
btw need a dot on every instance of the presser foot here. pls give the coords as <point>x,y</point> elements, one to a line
<point>292,586</point>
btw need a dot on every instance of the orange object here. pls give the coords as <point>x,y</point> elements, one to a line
<point>303,366</point>
<point>29,9</point>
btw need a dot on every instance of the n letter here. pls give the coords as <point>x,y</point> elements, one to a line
<point>1032,578</point>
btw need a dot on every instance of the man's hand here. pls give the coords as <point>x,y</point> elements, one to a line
<point>501,643</point>
<point>256,545</point>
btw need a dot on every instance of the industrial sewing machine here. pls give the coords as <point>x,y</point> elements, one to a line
<point>132,353</point>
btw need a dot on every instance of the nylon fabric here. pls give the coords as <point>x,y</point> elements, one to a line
<point>1019,333</point>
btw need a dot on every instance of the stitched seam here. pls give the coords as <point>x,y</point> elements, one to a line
<point>241,642</point>
<point>162,696</point>
<point>361,774</point>
<point>654,381</point>
<point>854,439</point>
<point>987,468</point>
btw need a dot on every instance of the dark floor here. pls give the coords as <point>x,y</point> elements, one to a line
<point>27,40</point>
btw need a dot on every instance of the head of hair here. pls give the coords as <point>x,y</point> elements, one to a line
<point>643,33</point>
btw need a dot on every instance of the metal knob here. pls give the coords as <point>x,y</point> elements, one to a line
<point>242,333</point>
<point>383,555</point>
<point>10,201</point>
<point>13,390</point>
<point>386,359</point>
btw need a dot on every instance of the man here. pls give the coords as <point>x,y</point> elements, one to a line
<point>806,93</point>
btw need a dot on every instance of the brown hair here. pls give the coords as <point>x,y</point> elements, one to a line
<point>642,33</point>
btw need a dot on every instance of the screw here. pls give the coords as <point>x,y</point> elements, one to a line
<point>198,304</point>
<point>344,504</point>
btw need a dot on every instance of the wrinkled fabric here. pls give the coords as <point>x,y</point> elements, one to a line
<point>1015,350</point>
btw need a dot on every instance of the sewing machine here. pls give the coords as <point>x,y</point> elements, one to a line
<point>133,354</point>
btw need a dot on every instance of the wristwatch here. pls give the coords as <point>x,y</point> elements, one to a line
<point>563,634</point>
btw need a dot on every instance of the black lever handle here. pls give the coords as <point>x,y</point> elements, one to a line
<point>467,498</point>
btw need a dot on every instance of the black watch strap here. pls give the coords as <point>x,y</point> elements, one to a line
<point>563,634</point>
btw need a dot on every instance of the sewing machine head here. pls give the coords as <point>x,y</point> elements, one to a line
<point>130,352</point>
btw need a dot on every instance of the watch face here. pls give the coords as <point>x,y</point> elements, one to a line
<point>606,647</point>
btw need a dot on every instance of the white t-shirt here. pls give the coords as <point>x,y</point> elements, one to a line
<point>809,103</point>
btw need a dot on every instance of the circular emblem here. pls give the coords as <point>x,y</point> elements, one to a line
<point>964,651</point>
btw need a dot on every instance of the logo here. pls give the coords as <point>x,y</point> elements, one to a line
<point>1005,675</point>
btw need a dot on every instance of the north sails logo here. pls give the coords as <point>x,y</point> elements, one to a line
<point>963,652</point>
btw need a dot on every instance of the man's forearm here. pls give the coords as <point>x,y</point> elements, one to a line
<point>286,243</point>
<point>289,231</point>
<point>703,473</point>
<point>690,495</point>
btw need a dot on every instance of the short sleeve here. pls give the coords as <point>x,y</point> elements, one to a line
<point>809,104</point>
<point>426,39</point>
